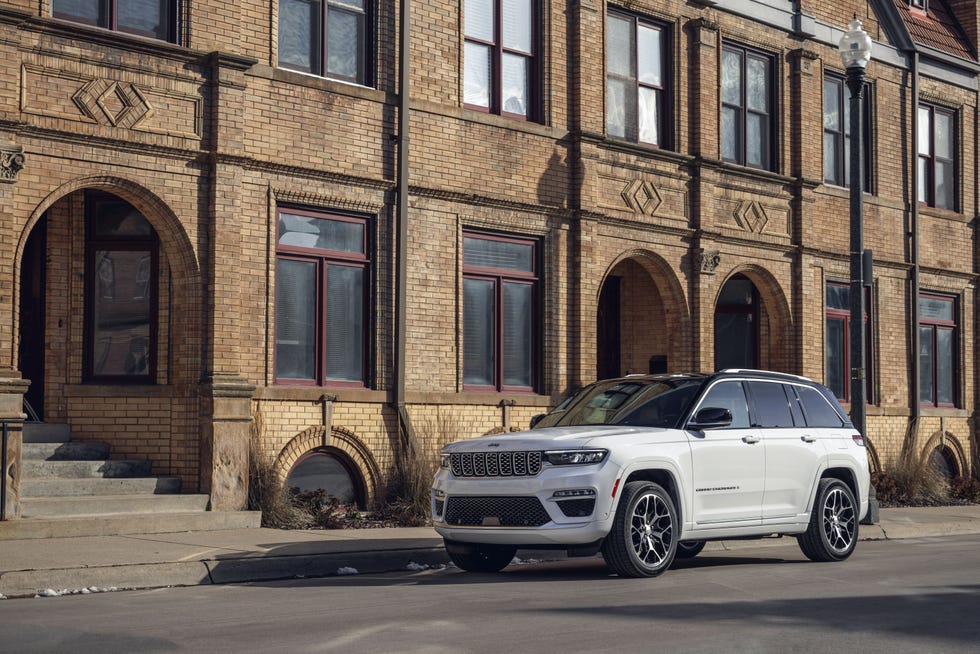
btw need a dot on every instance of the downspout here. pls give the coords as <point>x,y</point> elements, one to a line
<point>401,240</point>
<point>914,255</point>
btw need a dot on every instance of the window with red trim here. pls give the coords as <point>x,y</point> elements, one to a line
<point>838,342</point>
<point>938,363</point>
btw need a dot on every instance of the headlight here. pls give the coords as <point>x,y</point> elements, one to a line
<point>575,457</point>
<point>444,461</point>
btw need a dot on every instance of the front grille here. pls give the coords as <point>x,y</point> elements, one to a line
<point>496,464</point>
<point>577,508</point>
<point>495,512</point>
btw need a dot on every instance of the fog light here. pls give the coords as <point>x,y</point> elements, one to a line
<point>575,492</point>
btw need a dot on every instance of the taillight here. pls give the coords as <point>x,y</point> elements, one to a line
<point>858,439</point>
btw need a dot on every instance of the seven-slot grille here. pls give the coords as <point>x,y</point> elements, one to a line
<point>496,464</point>
<point>495,512</point>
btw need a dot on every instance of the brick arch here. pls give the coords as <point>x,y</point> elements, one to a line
<point>672,294</point>
<point>174,243</point>
<point>773,296</point>
<point>341,441</point>
<point>948,441</point>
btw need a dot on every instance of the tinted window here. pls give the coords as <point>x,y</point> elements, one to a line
<point>819,413</point>
<point>729,395</point>
<point>646,403</point>
<point>771,405</point>
<point>794,406</point>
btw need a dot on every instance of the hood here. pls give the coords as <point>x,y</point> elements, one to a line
<point>549,438</point>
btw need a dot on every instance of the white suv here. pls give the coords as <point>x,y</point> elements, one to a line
<point>647,468</point>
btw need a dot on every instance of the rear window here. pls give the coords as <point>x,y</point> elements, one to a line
<point>818,411</point>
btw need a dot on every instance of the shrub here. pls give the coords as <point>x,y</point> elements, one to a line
<point>910,483</point>
<point>966,489</point>
<point>265,489</point>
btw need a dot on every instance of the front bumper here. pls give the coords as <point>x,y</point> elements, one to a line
<point>555,528</point>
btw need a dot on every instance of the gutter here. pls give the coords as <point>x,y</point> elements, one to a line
<point>914,247</point>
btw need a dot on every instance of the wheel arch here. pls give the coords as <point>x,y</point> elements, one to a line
<point>665,477</point>
<point>845,475</point>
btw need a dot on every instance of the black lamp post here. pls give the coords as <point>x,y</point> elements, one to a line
<point>855,50</point>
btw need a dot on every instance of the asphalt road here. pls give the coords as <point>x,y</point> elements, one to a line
<point>918,596</point>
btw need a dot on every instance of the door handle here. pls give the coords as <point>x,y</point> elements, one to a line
<point>750,439</point>
<point>807,438</point>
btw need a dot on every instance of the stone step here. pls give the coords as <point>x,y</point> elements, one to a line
<point>53,487</point>
<point>71,451</point>
<point>82,469</point>
<point>115,525</point>
<point>95,505</point>
<point>46,432</point>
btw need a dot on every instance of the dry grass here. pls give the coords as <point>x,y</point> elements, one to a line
<point>266,492</point>
<point>912,483</point>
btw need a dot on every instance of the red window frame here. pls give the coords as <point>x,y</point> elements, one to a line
<point>935,325</point>
<point>500,276</point>
<point>845,316</point>
<point>323,258</point>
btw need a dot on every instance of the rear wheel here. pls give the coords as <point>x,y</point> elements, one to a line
<point>833,529</point>
<point>642,542</point>
<point>474,557</point>
<point>688,549</point>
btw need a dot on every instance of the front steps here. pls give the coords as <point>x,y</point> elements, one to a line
<point>75,489</point>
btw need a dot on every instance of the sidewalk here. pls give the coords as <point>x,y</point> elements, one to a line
<point>29,567</point>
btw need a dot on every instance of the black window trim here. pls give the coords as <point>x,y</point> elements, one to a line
<point>741,158</point>
<point>109,6</point>
<point>867,107</point>
<point>365,76</point>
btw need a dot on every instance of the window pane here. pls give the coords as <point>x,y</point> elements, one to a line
<point>925,130</point>
<point>731,77</point>
<point>321,233</point>
<point>838,297</point>
<point>345,323</point>
<point>476,78</point>
<point>731,396</point>
<point>771,404</point>
<point>739,291</point>
<point>923,195</point>
<point>758,85</point>
<point>295,319</point>
<point>648,55</point>
<point>119,219</point>
<point>649,115</point>
<point>619,107</point>
<point>944,366</point>
<point>935,308</point>
<point>121,313</point>
<point>144,17</point>
<point>944,135</point>
<point>322,471</point>
<point>925,365</point>
<point>516,18</point>
<point>478,321</point>
<point>517,334</point>
<point>729,133</point>
<point>500,255</point>
<point>619,51</point>
<point>836,379</point>
<point>514,84</point>
<point>757,141</point>
<point>831,105</point>
<point>819,413</point>
<point>344,31</point>
<point>945,186</point>
<point>83,11</point>
<point>299,41</point>
<point>734,341</point>
<point>479,19</point>
<point>831,154</point>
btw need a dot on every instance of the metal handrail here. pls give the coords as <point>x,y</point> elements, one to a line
<point>3,468</point>
<point>31,413</point>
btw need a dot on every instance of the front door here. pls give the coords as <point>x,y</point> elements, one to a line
<point>30,354</point>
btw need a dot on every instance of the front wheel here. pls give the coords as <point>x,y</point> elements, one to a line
<point>480,558</point>
<point>833,529</point>
<point>642,542</point>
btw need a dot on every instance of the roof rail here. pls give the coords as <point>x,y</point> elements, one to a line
<point>772,373</point>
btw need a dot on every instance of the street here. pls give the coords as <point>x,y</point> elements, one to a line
<point>916,595</point>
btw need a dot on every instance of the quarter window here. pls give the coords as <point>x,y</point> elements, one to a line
<point>837,132</point>
<point>500,289</point>
<point>321,299</point>
<point>937,350</point>
<point>500,56</point>
<point>747,108</point>
<point>325,37</point>
<point>636,80</point>
<point>818,411</point>
<point>937,157</point>
<point>838,342</point>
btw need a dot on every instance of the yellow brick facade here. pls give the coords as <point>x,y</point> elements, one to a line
<point>208,137</point>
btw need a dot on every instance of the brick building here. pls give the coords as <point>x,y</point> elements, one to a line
<point>219,218</point>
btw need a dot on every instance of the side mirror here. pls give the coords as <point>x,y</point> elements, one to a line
<point>536,419</point>
<point>710,418</point>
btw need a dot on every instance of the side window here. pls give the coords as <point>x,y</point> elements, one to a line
<point>771,405</point>
<point>819,413</point>
<point>794,405</point>
<point>729,395</point>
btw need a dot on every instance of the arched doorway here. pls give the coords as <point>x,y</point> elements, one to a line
<point>30,353</point>
<point>737,325</point>
<point>639,320</point>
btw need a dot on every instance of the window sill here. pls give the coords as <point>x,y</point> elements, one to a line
<point>947,214</point>
<point>314,393</point>
<point>943,412</point>
<point>298,78</point>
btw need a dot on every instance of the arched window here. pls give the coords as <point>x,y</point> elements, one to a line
<point>328,470</point>
<point>943,462</point>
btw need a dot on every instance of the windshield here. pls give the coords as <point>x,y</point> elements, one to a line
<point>639,403</point>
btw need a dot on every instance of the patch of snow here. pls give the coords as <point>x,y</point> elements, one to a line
<point>416,567</point>
<point>2,596</point>
<point>519,561</point>
<point>347,571</point>
<point>51,592</point>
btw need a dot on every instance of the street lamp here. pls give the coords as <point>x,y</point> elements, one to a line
<point>855,51</point>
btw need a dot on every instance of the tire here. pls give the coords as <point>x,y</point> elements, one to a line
<point>480,558</point>
<point>642,541</point>
<point>688,549</point>
<point>833,529</point>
